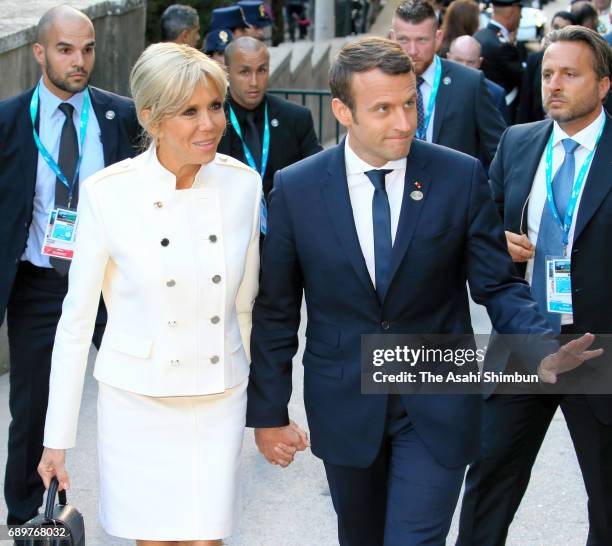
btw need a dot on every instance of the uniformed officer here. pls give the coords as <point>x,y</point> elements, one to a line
<point>215,43</point>
<point>230,18</point>
<point>256,16</point>
<point>503,59</point>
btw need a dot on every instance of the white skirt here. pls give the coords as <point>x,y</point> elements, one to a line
<point>169,466</point>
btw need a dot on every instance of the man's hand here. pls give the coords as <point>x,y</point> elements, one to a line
<point>569,356</point>
<point>519,247</point>
<point>53,463</point>
<point>279,444</point>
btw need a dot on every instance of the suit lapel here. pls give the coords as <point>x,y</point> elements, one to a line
<point>525,174</point>
<point>597,184</point>
<point>337,200</point>
<point>416,180</point>
<point>442,99</point>
<point>108,127</point>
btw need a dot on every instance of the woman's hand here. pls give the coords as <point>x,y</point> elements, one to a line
<point>52,463</point>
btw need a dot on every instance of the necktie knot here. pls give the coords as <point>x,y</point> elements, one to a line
<point>420,80</point>
<point>67,109</point>
<point>377,177</point>
<point>569,145</point>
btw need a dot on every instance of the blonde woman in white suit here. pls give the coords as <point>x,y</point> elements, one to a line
<point>171,238</point>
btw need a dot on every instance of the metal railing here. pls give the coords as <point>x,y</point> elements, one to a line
<point>318,96</point>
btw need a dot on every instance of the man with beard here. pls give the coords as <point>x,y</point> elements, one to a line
<point>551,182</point>
<point>53,137</point>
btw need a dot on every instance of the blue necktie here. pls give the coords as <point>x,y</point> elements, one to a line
<point>420,109</point>
<point>381,219</point>
<point>550,234</point>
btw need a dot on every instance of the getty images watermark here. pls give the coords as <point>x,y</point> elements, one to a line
<point>474,364</point>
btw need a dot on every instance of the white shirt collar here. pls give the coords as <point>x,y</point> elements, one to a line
<point>49,102</point>
<point>504,30</point>
<point>586,138</point>
<point>430,73</point>
<point>356,165</point>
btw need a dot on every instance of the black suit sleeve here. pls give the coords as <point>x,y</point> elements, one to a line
<point>489,121</point>
<point>307,138</point>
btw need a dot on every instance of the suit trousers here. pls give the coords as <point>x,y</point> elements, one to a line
<point>405,498</point>
<point>513,429</point>
<point>33,312</point>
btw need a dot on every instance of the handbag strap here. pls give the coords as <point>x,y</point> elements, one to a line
<point>51,494</point>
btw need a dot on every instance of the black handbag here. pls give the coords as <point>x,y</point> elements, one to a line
<point>61,524</point>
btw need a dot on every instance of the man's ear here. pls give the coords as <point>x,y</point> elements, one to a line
<point>182,36</point>
<point>342,113</point>
<point>39,53</point>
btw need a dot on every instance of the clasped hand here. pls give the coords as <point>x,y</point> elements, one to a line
<point>280,444</point>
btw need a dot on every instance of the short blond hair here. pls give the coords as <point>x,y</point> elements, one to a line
<point>165,76</point>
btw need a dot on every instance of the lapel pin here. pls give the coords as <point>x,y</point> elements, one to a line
<point>274,122</point>
<point>447,80</point>
<point>416,195</point>
<point>418,185</point>
<point>110,114</point>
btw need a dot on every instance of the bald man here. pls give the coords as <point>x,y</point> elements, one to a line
<point>466,50</point>
<point>252,114</point>
<point>39,181</point>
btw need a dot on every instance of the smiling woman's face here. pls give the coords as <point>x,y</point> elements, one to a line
<point>191,136</point>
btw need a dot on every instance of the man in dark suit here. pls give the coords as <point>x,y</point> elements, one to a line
<point>254,114</point>
<point>381,232</point>
<point>466,50</point>
<point>33,284</point>
<point>454,106</point>
<point>502,57</point>
<point>514,425</point>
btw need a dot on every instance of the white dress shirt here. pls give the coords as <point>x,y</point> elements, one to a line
<point>361,192</point>
<point>537,199</point>
<point>50,131</point>
<point>426,88</point>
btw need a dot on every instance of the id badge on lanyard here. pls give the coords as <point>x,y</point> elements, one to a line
<point>558,268</point>
<point>62,223</point>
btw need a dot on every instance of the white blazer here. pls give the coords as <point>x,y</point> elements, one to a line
<point>179,272</point>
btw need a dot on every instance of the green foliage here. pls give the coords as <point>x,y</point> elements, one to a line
<point>155,8</point>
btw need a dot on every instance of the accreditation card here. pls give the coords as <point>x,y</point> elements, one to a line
<point>558,285</point>
<point>61,233</point>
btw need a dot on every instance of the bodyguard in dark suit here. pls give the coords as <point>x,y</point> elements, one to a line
<point>576,73</point>
<point>454,106</point>
<point>32,285</point>
<point>290,127</point>
<point>381,232</point>
<point>466,50</point>
<point>502,57</point>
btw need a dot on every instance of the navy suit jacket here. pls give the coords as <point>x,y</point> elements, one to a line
<point>451,236</point>
<point>18,165</point>
<point>466,119</point>
<point>512,173</point>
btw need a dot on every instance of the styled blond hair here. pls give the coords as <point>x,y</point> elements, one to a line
<point>165,77</point>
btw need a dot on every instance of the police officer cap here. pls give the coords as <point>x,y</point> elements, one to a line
<point>231,17</point>
<point>217,40</point>
<point>507,2</point>
<point>255,13</point>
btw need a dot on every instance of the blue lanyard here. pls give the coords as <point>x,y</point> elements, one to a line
<point>432,99</point>
<point>265,151</point>
<point>571,205</point>
<point>45,153</point>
